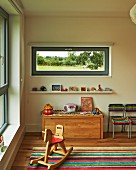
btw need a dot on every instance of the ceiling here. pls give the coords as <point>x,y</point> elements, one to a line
<point>77,7</point>
<point>72,7</point>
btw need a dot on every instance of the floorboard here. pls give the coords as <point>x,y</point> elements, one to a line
<point>35,140</point>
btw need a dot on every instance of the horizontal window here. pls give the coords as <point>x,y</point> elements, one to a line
<point>70,61</point>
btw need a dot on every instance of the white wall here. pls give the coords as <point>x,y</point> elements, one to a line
<point>120,31</point>
<point>14,76</point>
<point>14,133</point>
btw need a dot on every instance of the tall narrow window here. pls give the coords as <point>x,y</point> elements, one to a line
<point>3,70</point>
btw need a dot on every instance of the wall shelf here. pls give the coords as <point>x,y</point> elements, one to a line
<point>71,92</point>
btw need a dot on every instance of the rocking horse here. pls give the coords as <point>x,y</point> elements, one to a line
<point>52,143</point>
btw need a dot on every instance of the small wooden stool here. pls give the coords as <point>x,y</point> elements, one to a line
<point>52,142</point>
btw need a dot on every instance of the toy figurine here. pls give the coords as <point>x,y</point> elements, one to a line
<point>96,111</point>
<point>64,89</point>
<point>43,88</point>
<point>99,88</point>
<point>93,89</point>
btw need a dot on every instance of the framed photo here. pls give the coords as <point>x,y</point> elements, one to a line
<point>86,103</point>
<point>56,87</point>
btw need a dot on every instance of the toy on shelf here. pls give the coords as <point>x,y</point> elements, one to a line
<point>73,88</point>
<point>43,88</point>
<point>34,89</point>
<point>48,109</point>
<point>93,89</point>
<point>52,143</point>
<point>83,89</point>
<point>100,88</point>
<point>96,111</point>
<point>108,89</point>
<point>64,89</point>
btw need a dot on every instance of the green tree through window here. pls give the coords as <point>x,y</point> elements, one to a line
<point>77,61</point>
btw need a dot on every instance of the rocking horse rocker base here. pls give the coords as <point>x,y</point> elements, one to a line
<point>52,143</point>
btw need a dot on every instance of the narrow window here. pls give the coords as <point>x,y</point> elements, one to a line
<point>3,70</point>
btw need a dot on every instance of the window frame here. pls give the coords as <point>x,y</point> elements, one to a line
<point>106,71</point>
<point>4,87</point>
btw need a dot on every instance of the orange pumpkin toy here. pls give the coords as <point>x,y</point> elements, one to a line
<point>48,109</point>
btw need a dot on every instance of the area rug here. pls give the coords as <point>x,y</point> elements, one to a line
<point>90,159</point>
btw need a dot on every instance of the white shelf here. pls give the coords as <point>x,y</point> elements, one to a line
<point>71,92</point>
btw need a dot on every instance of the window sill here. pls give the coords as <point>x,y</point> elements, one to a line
<point>8,136</point>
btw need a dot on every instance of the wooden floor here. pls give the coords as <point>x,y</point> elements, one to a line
<point>35,140</point>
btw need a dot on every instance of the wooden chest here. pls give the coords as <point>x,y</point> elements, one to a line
<point>75,125</point>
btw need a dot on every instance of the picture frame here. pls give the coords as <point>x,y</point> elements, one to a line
<point>86,104</point>
<point>56,87</point>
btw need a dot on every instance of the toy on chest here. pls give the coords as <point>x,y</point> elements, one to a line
<point>96,111</point>
<point>70,107</point>
<point>48,109</point>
